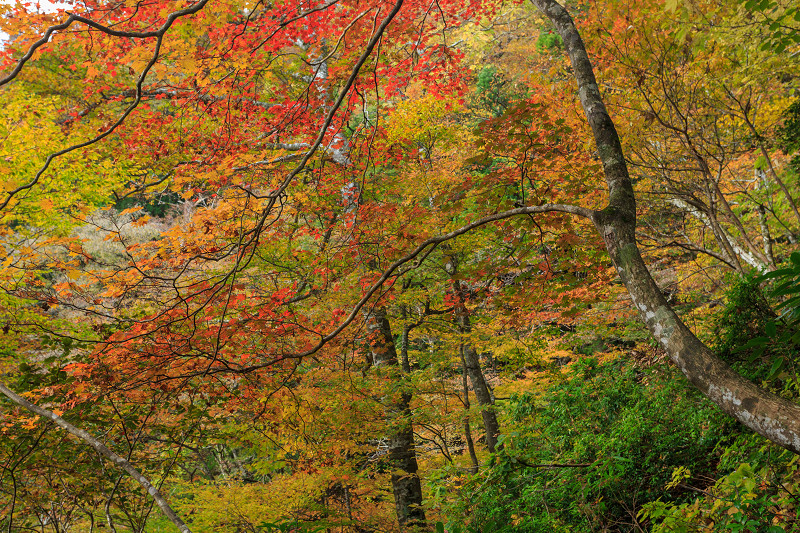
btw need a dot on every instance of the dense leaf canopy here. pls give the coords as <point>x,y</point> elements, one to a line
<point>350,265</point>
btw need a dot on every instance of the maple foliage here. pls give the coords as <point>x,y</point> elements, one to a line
<point>207,207</point>
<point>279,232</point>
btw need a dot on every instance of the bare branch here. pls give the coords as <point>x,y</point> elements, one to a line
<point>100,448</point>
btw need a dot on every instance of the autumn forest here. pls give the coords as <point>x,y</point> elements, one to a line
<point>464,266</point>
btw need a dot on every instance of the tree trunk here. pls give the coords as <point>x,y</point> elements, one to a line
<point>473,457</point>
<point>406,485</point>
<point>766,238</point>
<point>767,414</point>
<point>472,361</point>
<point>479,385</point>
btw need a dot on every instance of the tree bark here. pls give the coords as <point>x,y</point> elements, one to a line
<point>481,388</point>
<point>766,237</point>
<point>472,362</point>
<point>473,457</point>
<point>406,485</point>
<point>767,414</point>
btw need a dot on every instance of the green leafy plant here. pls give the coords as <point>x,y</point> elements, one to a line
<point>745,500</point>
<point>789,134</point>
<point>605,435</point>
<point>772,340</point>
<point>548,42</point>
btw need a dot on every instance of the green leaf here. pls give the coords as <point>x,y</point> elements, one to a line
<point>785,290</point>
<point>752,343</point>
<point>780,273</point>
<point>776,368</point>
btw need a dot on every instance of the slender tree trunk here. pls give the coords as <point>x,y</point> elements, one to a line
<point>738,223</point>
<point>467,430</point>
<point>404,363</point>
<point>716,192</point>
<point>472,363</point>
<point>402,454</point>
<point>773,417</point>
<point>725,242</point>
<point>766,237</point>
<point>481,388</point>
<point>786,194</point>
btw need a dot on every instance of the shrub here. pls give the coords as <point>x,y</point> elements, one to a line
<point>623,430</point>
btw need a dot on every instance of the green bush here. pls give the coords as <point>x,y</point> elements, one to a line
<point>549,41</point>
<point>756,500</point>
<point>744,317</point>
<point>623,429</point>
<point>753,338</point>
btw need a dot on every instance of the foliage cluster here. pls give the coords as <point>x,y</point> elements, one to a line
<point>613,434</point>
<point>235,276</point>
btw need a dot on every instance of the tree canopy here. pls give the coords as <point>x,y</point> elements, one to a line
<point>343,264</point>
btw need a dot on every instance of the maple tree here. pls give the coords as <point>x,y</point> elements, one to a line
<point>314,157</point>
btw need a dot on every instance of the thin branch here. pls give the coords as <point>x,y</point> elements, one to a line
<point>105,29</point>
<point>100,448</point>
<point>421,251</point>
<point>159,35</point>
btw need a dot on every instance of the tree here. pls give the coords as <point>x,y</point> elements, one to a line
<point>401,454</point>
<point>767,414</point>
<point>701,155</point>
<point>238,131</point>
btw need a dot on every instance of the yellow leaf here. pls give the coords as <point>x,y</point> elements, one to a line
<point>131,210</point>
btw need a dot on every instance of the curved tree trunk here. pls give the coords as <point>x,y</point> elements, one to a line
<point>767,414</point>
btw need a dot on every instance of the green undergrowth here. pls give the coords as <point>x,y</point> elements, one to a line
<point>595,447</point>
<point>627,446</point>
